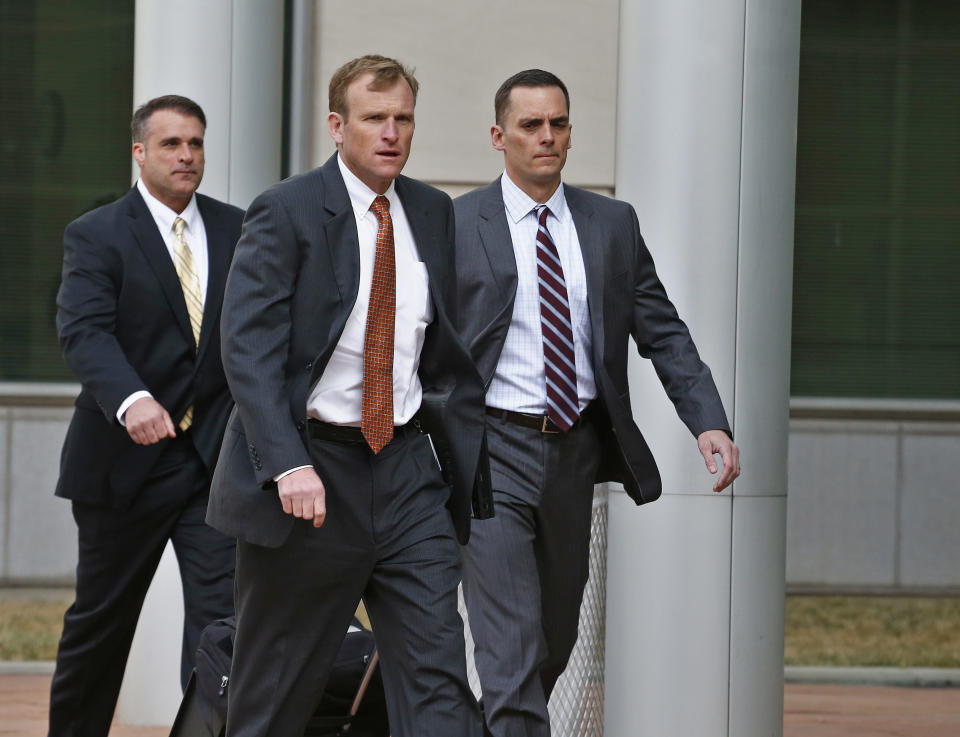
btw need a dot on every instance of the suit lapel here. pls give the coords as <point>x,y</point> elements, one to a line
<point>340,229</point>
<point>155,251</point>
<point>219,252</point>
<point>593,247</point>
<point>494,235</point>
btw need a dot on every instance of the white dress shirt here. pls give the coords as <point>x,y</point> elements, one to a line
<point>196,237</point>
<point>337,396</point>
<point>519,383</point>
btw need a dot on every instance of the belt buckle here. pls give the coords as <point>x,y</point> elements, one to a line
<point>546,429</point>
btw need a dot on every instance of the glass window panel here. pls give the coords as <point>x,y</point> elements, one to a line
<point>66,89</point>
<point>876,285</point>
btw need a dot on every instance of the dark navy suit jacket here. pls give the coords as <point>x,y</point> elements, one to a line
<point>123,327</point>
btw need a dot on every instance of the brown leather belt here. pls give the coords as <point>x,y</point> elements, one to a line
<point>541,423</point>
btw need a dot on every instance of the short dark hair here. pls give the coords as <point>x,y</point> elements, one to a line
<point>526,78</point>
<point>386,73</point>
<point>182,105</point>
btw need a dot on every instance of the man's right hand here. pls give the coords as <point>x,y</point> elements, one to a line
<point>302,495</point>
<point>148,422</point>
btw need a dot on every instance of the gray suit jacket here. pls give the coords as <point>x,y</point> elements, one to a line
<point>291,287</point>
<point>625,298</point>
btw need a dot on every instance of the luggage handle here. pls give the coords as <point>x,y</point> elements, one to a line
<point>364,683</point>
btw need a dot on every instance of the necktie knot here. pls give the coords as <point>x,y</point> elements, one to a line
<point>178,225</point>
<point>542,212</point>
<point>381,207</point>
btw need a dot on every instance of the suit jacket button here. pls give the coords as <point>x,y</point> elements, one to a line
<point>300,426</point>
<point>309,365</point>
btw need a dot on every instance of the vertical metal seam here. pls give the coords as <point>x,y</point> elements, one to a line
<point>616,106</point>
<point>7,491</point>
<point>736,351</point>
<point>230,90</point>
<point>898,507</point>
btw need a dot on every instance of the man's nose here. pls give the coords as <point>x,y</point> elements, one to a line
<point>390,132</point>
<point>185,153</point>
<point>546,134</point>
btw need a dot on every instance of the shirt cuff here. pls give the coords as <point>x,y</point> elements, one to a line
<point>287,473</point>
<point>128,401</point>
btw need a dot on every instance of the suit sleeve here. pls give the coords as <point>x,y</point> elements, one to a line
<point>87,316</point>
<point>663,337</point>
<point>255,336</point>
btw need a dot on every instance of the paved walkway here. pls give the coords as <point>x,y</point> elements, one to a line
<point>810,710</point>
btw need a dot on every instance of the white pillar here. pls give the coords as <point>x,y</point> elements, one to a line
<point>706,141</point>
<point>227,55</point>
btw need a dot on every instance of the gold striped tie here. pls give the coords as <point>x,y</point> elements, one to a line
<point>190,283</point>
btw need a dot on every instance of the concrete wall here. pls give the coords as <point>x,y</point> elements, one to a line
<point>873,500</point>
<point>462,53</point>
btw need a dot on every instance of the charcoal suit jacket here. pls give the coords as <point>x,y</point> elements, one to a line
<point>291,288</point>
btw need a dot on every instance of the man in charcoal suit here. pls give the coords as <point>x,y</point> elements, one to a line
<point>138,319</point>
<point>337,326</point>
<point>552,282</point>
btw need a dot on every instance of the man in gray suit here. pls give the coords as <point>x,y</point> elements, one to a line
<point>552,282</point>
<point>336,325</point>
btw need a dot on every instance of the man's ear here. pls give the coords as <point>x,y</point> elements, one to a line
<point>138,153</point>
<point>335,123</point>
<point>496,137</point>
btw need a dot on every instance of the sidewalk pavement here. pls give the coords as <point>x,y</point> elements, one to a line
<point>810,709</point>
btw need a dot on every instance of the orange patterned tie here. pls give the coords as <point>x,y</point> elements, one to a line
<point>376,419</point>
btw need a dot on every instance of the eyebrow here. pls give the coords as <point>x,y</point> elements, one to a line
<point>557,120</point>
<point>175,139</point>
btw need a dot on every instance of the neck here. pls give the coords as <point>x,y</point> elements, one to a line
<point>539,192</point>
<point>177,204</point>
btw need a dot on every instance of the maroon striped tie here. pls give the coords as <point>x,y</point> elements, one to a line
<point>558,356</point>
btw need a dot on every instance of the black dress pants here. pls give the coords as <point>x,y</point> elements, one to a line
<point>388,539</point>
<point>119,550</point>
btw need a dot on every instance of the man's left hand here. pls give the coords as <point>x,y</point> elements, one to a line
<point>717,441</point>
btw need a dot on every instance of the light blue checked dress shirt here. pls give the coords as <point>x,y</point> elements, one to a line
<point>518,383</point>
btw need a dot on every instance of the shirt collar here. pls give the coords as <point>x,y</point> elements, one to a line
<point>361,196</point>
<point>164,216</point>
<point>519,204</point>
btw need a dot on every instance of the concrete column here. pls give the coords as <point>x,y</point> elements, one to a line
<point>706,139</point>
<point>227,55</point>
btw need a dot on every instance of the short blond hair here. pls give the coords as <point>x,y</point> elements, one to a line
<point>386,73</point>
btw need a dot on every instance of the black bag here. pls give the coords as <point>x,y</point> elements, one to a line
<point>352,704</point>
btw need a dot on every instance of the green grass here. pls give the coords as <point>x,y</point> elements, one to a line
<point>820,630</point>
<point>30,628</point>
<point>873,631</point>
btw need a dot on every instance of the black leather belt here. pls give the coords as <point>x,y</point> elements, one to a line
<point>350,435</point>
<point>541,423</point>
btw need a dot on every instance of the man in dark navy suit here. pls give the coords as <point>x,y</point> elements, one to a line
<point>138,319</point>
